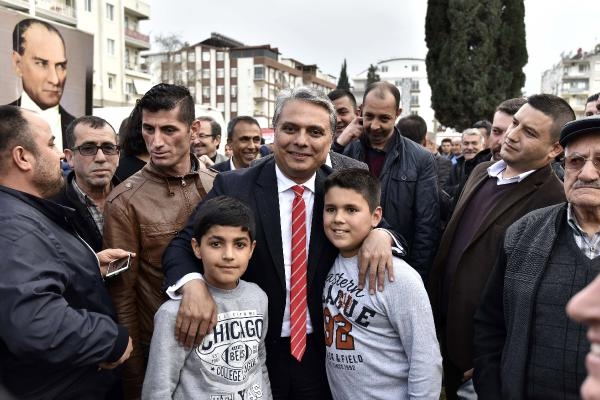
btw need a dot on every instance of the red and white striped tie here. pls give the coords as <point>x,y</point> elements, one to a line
<point>298,278</point>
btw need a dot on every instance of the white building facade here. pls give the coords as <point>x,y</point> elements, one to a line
<point>409,75</point>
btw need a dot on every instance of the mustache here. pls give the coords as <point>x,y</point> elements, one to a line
<point>592,185</point>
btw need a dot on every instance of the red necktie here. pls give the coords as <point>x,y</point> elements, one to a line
<point>298,278</point>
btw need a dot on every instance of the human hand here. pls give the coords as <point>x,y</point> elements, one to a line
<point>108,255</point>
<point>124,357</point>
<point>351,132</point>
<point>197,314</point>
<point>206,161</point>
<point>375,257</point>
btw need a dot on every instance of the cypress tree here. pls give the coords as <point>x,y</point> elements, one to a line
<point>476,57</point>
<point>343,82</point>
<point>372,75</point>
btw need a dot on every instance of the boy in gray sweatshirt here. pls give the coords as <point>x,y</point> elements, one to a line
<point>380,346</point>
<point>230,362</point>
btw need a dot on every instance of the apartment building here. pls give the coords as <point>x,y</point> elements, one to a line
<point>118,77</point>
<point>233,78</point>
<point>409,75</point>
<point>574,78</point>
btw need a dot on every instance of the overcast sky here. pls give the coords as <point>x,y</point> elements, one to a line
<point>324,32</point>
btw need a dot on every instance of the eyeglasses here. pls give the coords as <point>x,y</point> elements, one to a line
<point>576,162</point>
<point>90,149</point>
<point>194,137</point>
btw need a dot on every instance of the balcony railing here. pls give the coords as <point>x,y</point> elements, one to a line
<point>56,10</point>
<point>137,39</point>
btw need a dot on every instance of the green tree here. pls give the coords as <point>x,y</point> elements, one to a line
<point>343,82</point>
<point>476,53</point>
<point>372,75</point>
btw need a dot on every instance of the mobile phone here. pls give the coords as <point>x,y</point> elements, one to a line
<point>117,266</point>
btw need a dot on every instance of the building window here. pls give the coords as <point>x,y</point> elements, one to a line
<point>178,57</point>
<point>220,72</point>
<point>87,5</point>
<point>220,90</point>
<point>233,90</point>
<point>259,72</point>
<point>414,85</point>
<point>234,72</point>
<point>206,56</point>
<point>414,68</point>
<point>584,67</point>
<point>220,56</point>
<point>221,107</point>
<point>112,81</point>
<point>110,11</point>
<point>384,68</point>
<point>233,107</point>
<point>129,88</point>
<point>192,90</point>
<point>191,56</point>
<point>206,73</point>
<point>414,100</point>
<point>206,92</point>
<point>110,46</point>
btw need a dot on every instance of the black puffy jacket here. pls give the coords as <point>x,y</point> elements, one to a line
<point>409,196</point>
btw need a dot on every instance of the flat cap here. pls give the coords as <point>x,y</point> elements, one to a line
<point>574,129</point>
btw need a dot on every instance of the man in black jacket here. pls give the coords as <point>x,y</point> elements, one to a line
<point>58,335</point>
<point>406,170</point>
<point>92,152</point>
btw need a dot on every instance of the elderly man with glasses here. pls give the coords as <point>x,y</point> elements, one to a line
<point>93,155</point>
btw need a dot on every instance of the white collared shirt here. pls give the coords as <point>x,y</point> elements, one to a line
<point>231,164</point>
<point>286,197</point>
<point>50,115</point>
<point>497,169</point>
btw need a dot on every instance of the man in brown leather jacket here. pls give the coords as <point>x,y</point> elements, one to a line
<point>147,210</point>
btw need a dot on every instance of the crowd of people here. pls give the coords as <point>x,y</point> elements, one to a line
<point>353,258</point>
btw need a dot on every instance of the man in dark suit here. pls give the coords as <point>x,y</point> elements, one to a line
<point>495,195</point>
<point>244,137</point>
<point>304,121</point>
<point>39,58</point>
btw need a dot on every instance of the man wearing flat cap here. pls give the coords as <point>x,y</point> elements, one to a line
<point>525,345</point>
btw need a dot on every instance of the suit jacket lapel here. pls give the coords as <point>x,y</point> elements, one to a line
<point>317,235</point>
<point>267,206</point>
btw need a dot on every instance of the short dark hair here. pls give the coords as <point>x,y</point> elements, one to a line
<point>89,120</point>
<point>412,127</point>
<point>359,180</point>
<point>511,106</point>
<point>224,211</point>
<point>215,128</point>
<point>485,124</point>
<point>18,35</point>
<point>242,118</point>
<point>165,96</point>
<point>554,107</point>
<point>444,140</point>
<point>339,93</point>
<point>593,97</point>
<point>14,131</point>
<point>382,87</point>
<point>131,139</point>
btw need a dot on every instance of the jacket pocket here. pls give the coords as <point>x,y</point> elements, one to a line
<point>156,238</point>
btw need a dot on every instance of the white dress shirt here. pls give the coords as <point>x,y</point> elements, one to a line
<point>50,115</point>
<point>497,169</point>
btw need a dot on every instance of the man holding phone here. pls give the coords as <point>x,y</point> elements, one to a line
<point>407,172</point>
<point>58,335</point>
